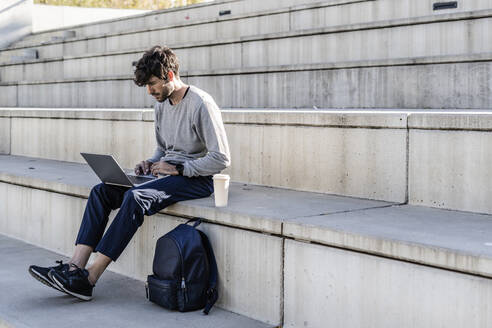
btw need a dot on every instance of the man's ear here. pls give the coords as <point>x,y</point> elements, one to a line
<point>170,75</point>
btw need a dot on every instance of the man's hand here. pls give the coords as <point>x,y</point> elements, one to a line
<point>163,168</point>
<point>143,167</point>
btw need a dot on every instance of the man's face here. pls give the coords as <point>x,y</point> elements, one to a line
<point>160,89</point>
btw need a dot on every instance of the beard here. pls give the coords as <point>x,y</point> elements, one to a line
<point>161,98</point>
<point>164,95</point>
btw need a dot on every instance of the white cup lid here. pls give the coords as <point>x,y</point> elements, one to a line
<point>221,177</point>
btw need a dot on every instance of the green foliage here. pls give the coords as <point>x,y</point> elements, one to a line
<point>126,4</point>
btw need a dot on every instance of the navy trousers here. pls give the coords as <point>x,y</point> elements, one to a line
<point>133,203</point>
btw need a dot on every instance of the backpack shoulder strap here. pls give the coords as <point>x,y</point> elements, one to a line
<point>212,291</point>
<point>196,222</point>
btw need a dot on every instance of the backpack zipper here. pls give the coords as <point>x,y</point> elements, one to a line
<point>183,282</point>
<point>183,286</point>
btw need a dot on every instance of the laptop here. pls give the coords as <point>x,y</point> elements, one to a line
<point>110,172</point>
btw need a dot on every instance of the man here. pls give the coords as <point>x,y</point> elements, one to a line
<point>191,147</point>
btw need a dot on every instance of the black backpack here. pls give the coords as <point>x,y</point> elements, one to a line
<point>185,272</point>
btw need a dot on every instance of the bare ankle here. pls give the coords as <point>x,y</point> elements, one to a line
<point>93,277</point>
<point>92,280</point>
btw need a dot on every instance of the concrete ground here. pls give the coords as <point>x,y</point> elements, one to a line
<point>118,301</point>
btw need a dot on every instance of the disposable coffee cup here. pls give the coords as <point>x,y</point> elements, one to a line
<point>221,189</point>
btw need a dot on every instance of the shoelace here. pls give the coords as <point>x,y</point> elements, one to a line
<point>79,272</point>
<point>61,266</point>
<point>74,265</point>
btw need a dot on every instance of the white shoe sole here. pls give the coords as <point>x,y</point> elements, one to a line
<point>79,296</point>
<point>39,277</point>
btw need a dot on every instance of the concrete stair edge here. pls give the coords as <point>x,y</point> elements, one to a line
<point>152,13</point>
<point>384,24</point>
<point>410,61</point>
<point>368,226</point>
<point>287,9</point>
<point>395,118</point>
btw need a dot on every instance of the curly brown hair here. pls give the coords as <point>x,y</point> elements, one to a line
<point>157,61</point>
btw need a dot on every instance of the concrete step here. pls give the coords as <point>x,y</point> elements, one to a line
<point>456,34</point>
<point>346,150</point>
<point>260,23</point>
<point>416,263</point>
<point>118,301</point>
<point>65,133</point>
<point>296,15</point>
<point>22,56</point>
<point>217,13</point>
<point>151,19</point>
<point>411,83</point>
<point>59,35</point>
<point>321,218</point>
<point>245,235</point>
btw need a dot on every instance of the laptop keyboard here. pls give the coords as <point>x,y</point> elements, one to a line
<point>139,180</point>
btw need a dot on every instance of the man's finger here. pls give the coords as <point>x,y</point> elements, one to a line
<point>138,169</point>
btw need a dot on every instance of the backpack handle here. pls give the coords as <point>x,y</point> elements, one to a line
<point>212,291</point>
<point>196,220</point>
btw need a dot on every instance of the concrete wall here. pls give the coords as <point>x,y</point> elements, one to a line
<point>4,135</point>
<point>65,139</point>
<point>388,42</point>
<point>410,86</point>
<point>343,160</point>
<point>407,83</point>
<point>303,14</point>
<point>254,291</point>
<point>186,15</point>
<point>457,152</point>
<point>329,287</point>
<point>267,148</point>
<point>340,152</point>
<point>249,284</point>
<point>47,17</point>
<point>286,282</point>
<point>15,20</point>
<point>264,24</point>
<point>8,96</point>
<point>454,38</point>
<point>371,68</point>
<point>379,10</point>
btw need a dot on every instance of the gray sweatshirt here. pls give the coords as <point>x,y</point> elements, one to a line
<point>191,133</point>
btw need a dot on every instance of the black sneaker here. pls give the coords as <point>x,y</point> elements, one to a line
<point>75,282</point>
<point>41,273</point>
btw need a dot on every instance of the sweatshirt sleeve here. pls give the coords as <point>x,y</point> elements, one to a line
<point>208,124</point>
<point>158,154</point>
